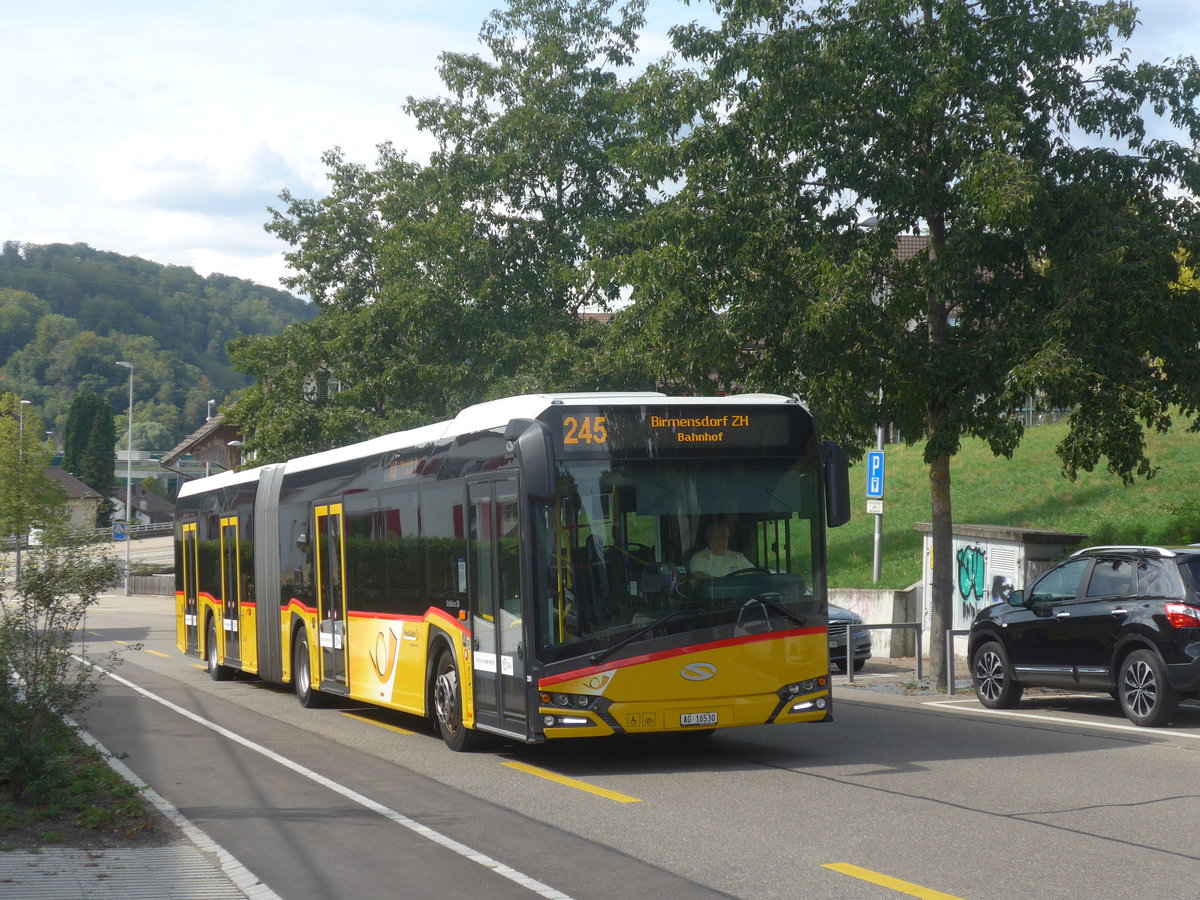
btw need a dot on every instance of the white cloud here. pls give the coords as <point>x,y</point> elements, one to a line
<point>166,130</point>
<point>143,125</point>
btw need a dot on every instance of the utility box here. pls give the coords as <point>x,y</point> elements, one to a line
<point>990,562</point>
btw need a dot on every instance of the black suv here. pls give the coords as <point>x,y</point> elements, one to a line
<point>1121,620</point>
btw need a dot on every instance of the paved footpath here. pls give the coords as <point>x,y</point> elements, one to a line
<point>178,870</point>
<point>193,867</point>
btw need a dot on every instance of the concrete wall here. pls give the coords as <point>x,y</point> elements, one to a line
<point>885,608</point>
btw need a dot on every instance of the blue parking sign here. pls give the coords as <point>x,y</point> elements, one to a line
<point>875,474</point>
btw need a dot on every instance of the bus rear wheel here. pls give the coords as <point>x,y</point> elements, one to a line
<point>447,704</point>
<point>216,671</point>
<point>302,673</point>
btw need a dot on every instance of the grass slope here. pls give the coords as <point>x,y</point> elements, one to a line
<point>1027,491</point>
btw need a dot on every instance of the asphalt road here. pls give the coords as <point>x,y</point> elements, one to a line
<point>899,795</point>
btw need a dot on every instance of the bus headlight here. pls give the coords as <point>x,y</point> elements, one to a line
<point>569,701</point>
<point>567,722</point>
<point>808,705</point>
<point>796,688</point>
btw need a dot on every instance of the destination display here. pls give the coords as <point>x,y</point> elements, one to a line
<point>638,430</point>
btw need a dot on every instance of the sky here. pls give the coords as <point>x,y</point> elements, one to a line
<point>166,130</point>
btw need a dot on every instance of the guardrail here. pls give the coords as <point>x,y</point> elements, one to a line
<point>853,627</point>
<point>138,531</point>
<point>135,532</point>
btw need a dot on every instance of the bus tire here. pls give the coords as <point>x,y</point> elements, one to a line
<point>216,671</point>
<point>447,704</point>
<point>309,697</point>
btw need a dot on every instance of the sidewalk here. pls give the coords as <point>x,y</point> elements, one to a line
<point>899,676</point>
<point>179,870</point>
<point>191,867</point>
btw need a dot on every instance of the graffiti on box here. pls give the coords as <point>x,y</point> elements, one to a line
<point>974,591</point>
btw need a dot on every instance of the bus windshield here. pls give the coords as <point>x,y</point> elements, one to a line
<point>637,551</point>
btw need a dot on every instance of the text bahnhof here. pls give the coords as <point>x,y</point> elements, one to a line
<point>688,437</point>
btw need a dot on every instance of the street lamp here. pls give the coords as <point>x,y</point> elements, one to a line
<point>21,476</point>
<point>235,448</point>
<point>128,471</point>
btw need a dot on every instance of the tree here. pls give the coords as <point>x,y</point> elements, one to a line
<point>1013,136</point>
<point>445,284</point>
<point>28,499</point>
<point>88,443</point>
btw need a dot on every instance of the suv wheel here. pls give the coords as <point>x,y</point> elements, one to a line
<point>1145,694</point>
<point>995,685</point>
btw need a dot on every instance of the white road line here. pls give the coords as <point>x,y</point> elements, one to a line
<point>412,825</point>
<point>955,706</point>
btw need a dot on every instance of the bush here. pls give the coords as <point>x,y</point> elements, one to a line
<point>40,681</point>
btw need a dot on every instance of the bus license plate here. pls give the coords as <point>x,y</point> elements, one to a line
<point>709,718</point>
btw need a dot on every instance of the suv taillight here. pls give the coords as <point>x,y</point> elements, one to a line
<point>1180,615</point>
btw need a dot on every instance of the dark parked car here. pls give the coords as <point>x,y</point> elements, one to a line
<point>1118,620</point>
<point>840,621</point>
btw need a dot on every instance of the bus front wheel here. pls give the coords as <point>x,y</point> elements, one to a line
<point>447,704</point>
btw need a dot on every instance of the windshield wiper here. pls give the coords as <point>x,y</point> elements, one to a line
<point>609,651</point>
<point>777,607</point>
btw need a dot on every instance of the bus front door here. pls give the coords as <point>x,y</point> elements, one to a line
<point>331,597</point>
<point>494,595</point>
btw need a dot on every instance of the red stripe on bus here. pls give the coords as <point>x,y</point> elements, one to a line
<point>391,617</point>
<point>431,613</point>
<point>434,613</point>
<point>296,604</point>
<point>681,651</point>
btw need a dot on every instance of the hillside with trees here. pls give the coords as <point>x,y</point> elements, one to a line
<point>68,312</point>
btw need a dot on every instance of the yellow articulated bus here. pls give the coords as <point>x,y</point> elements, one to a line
<point>539,567</point>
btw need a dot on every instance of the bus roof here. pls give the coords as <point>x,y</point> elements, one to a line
<point>480,417</point>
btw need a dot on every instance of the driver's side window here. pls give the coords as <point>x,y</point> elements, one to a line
<point>1060,584</point>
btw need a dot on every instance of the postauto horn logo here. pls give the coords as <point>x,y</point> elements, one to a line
<point>698,671</point>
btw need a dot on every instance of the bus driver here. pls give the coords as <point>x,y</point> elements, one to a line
<point>717,559</point>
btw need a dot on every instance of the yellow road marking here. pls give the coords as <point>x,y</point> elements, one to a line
<point>201,666</point>
<point>571,782</point>
<point>904,887</point>
<point>394,728</point>
<point>156,653</point>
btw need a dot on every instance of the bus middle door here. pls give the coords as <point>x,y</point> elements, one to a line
<point>329,552</point>
<point>231,584</point>
<point>494,594</point>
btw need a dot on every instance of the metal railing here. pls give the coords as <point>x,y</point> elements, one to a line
<point>951,634</point>
<point>9,542</point>
<point>134,532</point>
<point>851,628</point>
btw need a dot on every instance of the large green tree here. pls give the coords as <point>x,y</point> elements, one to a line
<point>446,283</point>
<point>812,140</point>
